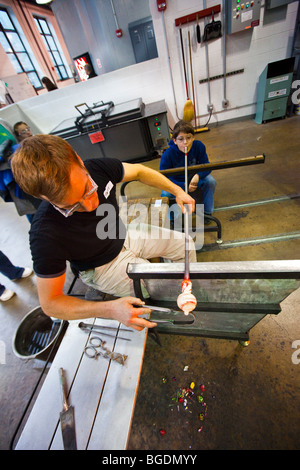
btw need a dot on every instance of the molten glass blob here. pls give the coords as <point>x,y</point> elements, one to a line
<point>186,301</point>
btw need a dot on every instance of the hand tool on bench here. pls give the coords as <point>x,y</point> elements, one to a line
<point>67,419</point>
<point>99,328</point>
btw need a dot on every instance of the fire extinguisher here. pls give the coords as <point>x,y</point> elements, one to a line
<point>161,6</point>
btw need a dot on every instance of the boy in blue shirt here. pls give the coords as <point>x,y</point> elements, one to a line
<point>202,186</point>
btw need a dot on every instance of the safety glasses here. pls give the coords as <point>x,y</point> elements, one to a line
<point>68,212</point>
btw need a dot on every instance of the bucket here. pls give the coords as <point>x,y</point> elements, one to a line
<point>36,334</point>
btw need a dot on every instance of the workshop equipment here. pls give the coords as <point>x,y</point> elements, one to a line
<point>175,316</point>
<point>232,296</point>
<point>102,130</point>
<point>103,394</point>
<point>95,328</point>
<point>273,90</point>
<point>36,334</point>
<point>186,301</point>
<point>67,419</point>
<point>242,16</point>
<point>96,347</point>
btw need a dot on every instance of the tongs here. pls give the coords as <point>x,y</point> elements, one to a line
<point>188,320</point>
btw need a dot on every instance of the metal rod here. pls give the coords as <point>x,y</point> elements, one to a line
<point>158,309</point>
<point>100,327</point>
<point>217,166</point>
<point>186,220</point>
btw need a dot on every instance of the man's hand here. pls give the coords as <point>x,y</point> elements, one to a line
<point>127,310</point>
<point>183,199</point>
<point>139,172</point>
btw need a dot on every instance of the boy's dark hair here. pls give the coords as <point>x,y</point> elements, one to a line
<point>183,126</point>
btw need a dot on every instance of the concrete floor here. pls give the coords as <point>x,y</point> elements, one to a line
<point>252,394</point>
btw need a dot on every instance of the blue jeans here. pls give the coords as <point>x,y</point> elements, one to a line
<point>204,194</point>
<point>8,270</point>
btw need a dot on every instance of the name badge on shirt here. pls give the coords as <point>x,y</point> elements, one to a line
<point>108,189</point>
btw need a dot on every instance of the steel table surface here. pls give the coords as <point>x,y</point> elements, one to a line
<point>103,393</point>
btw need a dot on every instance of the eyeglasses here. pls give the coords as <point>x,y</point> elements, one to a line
<point>25,131</point>
<point>188,138</point>
<point>68,212</point>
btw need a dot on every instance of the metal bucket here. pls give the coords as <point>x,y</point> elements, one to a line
<point>36,334</point>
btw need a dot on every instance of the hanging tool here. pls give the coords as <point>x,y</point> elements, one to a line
<point>192,77</point>
<point>212,30</point>
<point>67,419</point>
<point>186,301</point>
<point>198,32</point>
<point>188,110</point>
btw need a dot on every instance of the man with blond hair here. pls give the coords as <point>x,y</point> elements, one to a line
<point>76,198</point>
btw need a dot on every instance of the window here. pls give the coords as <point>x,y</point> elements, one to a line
<point>51,47</point>
<point>15,49</point>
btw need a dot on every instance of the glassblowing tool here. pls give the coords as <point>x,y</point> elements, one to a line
<point>96,328</point>
<point>186,301</point>
<point>67,419</point>
<point>174,321</point>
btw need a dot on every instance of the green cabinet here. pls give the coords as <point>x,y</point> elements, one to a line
<point>273,90</point>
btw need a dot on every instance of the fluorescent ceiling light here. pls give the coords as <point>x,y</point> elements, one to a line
<point>42,2</point>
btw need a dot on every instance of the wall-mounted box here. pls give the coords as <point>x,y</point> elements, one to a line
<point>277,3</point>
<point>241,15</point>
<point>273,90</point>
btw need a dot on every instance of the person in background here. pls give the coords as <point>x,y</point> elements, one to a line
<point>48,84</point>
<point>9,190</point>
<point>90,71</point>
<point>13,273</point>
<point>22,131</point>
<point>202,185</point>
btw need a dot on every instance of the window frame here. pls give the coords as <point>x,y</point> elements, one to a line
<point>15,53</point>
<point>50,50</point>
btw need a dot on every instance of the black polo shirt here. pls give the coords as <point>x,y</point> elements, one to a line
<point>85,239</point>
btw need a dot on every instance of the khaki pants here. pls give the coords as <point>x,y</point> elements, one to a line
<point>142,243</point>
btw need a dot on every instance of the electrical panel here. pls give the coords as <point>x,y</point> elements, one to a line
<point>241,15</point>
<point>159,130</point>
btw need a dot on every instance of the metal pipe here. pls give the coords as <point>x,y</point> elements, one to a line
<point>216,166</point>
<point>169,62</point>
<point>114,12</point>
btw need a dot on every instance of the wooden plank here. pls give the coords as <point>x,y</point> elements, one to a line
<point>113,420</point>
<point>43,420</point>
<point>87,388</point>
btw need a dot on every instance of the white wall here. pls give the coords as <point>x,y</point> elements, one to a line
<point>151,80</point>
